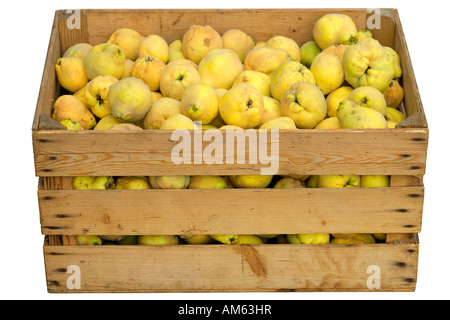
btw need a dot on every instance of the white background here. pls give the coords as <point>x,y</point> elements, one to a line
<point>26,29</point>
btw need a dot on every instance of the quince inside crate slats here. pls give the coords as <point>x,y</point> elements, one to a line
<point>246,209</point>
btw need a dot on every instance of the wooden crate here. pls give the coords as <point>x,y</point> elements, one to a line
<point>61,154</point>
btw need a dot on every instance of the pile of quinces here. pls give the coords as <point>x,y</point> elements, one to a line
<point>344,78</point>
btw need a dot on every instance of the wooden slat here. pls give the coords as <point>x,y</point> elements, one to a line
<point>72,34</point>
<point>49,90</point>
<point>171,24</point>
<point>389,152</point>
<point>231,211</point>
<point>384,34</point>
<point>198,268</point>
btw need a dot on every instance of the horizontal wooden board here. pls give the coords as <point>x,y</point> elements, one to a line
<point>171,24</point>
<point>231,211</point>
<point>390,152</point>
<point>198,268</point>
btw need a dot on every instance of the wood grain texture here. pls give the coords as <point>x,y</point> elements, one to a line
<point>50,88</point>
<point>149,152</point>
<point>231,211</point>
<point>171,24</point>
<point>69,32</point>
<point>197,268</point>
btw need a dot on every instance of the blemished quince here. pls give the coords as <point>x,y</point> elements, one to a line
<point>207,182</point>
<point>308,238</point>
<point>200,103</point>
<point>78,50</point>
<point>364,34</point>
<point>89,240</point>
<point>199,40</point>
<point>127,69</point>
<point>154,46</point>
<point>132,183</point>
<point>112,238</point>
<point>335,97</point>
<point>230,127</point>
<point>287,44</point>
<point>93,183</point>
<point>272,110</point>
<point>394,94</point>
<point>178,121</point>
<point>335,28</point>
<point>338,181</point>
<point>312,181</point>
<point>149,70</point>
<point>242,105</point>
<point>225,238</point>
<point>106,122</point>
<point>380,237</point>
<point>127,241</point>
<point>105,59</point>
<point>177,78</point>
<point>337,49</point>
<point>197,238</point>
<point>129,99</point>
<point>128,39</point>
<point>395,115</point>
<point>353,116</point>
<point>259,80</point>
<point>124,126</point>
<point>157,240</point>
<point>238,41</point>
<point>80,94</point>
<point>265,59</point>
<point>70,73</point>
<point>329,123</point>
<point>267,236</point>
<point>305,104</point>
<point>368,63</point>
<point>248,239</point>
<point>260,44</point>
<point>251,181</point>
<point>397,63</point>
<point>176,51</point>
<point>279,123</point>
<point>308,51</point>
<point>391,124</point>
<point>286,75</point>
<point>160,111</point>
<point>70,107</point>
<point>375,181</point>
<point>96,94</point>
<point>183,61</point>
<point>288,183</point>
<point>208,126</point>
<point>328,72</point>
<point>369,97</point>
<point>71,125</point>
<point>169,182</point>
<point>352,238</point>
<point>218,121</point>
<point>219,68</point>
